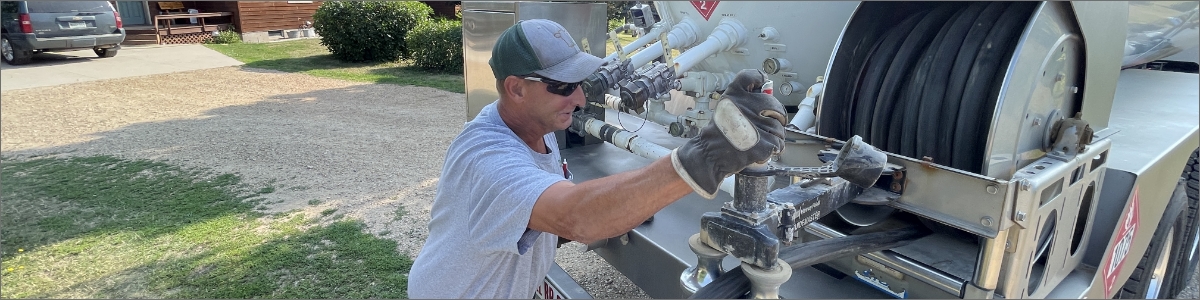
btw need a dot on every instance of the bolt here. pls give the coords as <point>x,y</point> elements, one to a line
<point>896,187</point>
<point>1074,90</point>
<point>625,239</point>
<point>986,221</point>
<point>1021,216</point>
<point>1025,185</point>
<point>992,189</point>
<point>1037,121</point>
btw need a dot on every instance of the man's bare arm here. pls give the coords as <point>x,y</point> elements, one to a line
<point>606,207</point>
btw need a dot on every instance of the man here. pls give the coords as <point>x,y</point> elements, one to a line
<point>505,197</point>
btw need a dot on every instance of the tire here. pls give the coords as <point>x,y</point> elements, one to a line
<point>1175,240</point>
<point>105,52</point>
<point>1185,260</point>
<point>14,55</point>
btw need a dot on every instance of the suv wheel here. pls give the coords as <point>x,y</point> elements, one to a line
<point>105,52</point>
<point>13,55</point>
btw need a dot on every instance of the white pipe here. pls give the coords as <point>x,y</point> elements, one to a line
<point>729,34</point>
<point>656,111</point>
<point>681,35</point>
<point>805,116</point>
<point>636,145</point>
<point>704,82</point>
<point>638,43</point>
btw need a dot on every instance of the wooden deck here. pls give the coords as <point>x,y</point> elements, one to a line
<point>180,34</point>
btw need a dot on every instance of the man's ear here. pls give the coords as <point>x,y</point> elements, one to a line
<point>514,87</point>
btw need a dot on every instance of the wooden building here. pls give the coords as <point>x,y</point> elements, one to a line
<point>257,21</point>
<point>192,21</point>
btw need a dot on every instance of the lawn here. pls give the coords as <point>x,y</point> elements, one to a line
<point>103,227</point>
<point>308,56</point>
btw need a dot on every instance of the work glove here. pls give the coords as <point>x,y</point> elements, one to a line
<point>747,128</point>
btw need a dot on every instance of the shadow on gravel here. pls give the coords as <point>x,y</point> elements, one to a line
<point>327,66</point>
<point>361,145</point>
<point>358,148</point>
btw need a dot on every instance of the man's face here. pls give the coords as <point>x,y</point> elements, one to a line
<point>552,111</point>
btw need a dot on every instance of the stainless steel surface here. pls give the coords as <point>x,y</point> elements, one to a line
<point>1100,21</point>
<point>806,41</point>
<point>937,192</point>
<point>1156,114</point>
<point>987,274</point>
<point>1159,29</point>
<point>495,6</point>
<point>484,21</point>
<point>566,286</point>
<point>1050,196</point>
<point>908,267</point>
<point>657,251</point>
<point>480,30</point>
<point>1046,66</point>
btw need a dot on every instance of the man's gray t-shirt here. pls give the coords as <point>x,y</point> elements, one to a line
<point>479,243</point>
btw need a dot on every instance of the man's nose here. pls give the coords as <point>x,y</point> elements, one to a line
<point>577,98</point>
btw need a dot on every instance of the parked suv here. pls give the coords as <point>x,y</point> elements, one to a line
<point>38,26</point>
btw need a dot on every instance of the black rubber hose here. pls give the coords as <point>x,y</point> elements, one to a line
<point>911,101</point>
<point>859,68</point>
<point>970,135</point>
<point>930,119</point>
<point>886,114</point>
<point>958,78</point>
<point>885,101</point>
<point>904,109</point>
<point>876,67</point>
<point>734,284</point>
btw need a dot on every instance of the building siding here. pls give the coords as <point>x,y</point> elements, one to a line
<point>255,16</point>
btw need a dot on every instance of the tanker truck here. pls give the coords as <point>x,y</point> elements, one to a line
<point>933,150</point>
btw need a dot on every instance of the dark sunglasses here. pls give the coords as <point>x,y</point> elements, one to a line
<point>564,89</point>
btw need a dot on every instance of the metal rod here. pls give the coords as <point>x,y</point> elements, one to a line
<point>734,283</point>
<point>750,193</point>
<point>917,270</point>
<point>987,275</point>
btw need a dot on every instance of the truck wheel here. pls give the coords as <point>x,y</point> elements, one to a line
<point>105,52</point>
<point>1171,258</point>
<point>14,55</point>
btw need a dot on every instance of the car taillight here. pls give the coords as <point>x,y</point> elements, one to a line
<point>26,26</point>
<point>118,16</point>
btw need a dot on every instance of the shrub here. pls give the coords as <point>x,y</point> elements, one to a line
<point>368,31</point>
<point>614,23</point>
<point>228,36</point>
<point>437,45</point>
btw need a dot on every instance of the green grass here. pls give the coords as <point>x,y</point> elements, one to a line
<point>102,227</point>
<point>308,56</point>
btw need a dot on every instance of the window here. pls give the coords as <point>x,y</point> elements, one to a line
<point>9,7</point>
<point>68,6</point>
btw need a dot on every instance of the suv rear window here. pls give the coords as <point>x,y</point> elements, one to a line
<point>68,6</point>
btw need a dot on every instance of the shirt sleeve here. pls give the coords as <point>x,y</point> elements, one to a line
<point>510,183</point>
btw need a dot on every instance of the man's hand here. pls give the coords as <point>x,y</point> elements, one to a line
<point>747,128</point>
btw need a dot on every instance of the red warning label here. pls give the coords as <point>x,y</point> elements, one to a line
<point>1125,233</point>
<point>705,8</point>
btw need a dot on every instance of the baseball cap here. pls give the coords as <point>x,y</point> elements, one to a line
<point>541,47</point>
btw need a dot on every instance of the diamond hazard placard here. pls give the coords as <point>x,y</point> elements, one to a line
<point>705,8</point>
<point>1125,233</point>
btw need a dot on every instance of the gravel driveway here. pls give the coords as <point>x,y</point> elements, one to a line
<point>372,151</point>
